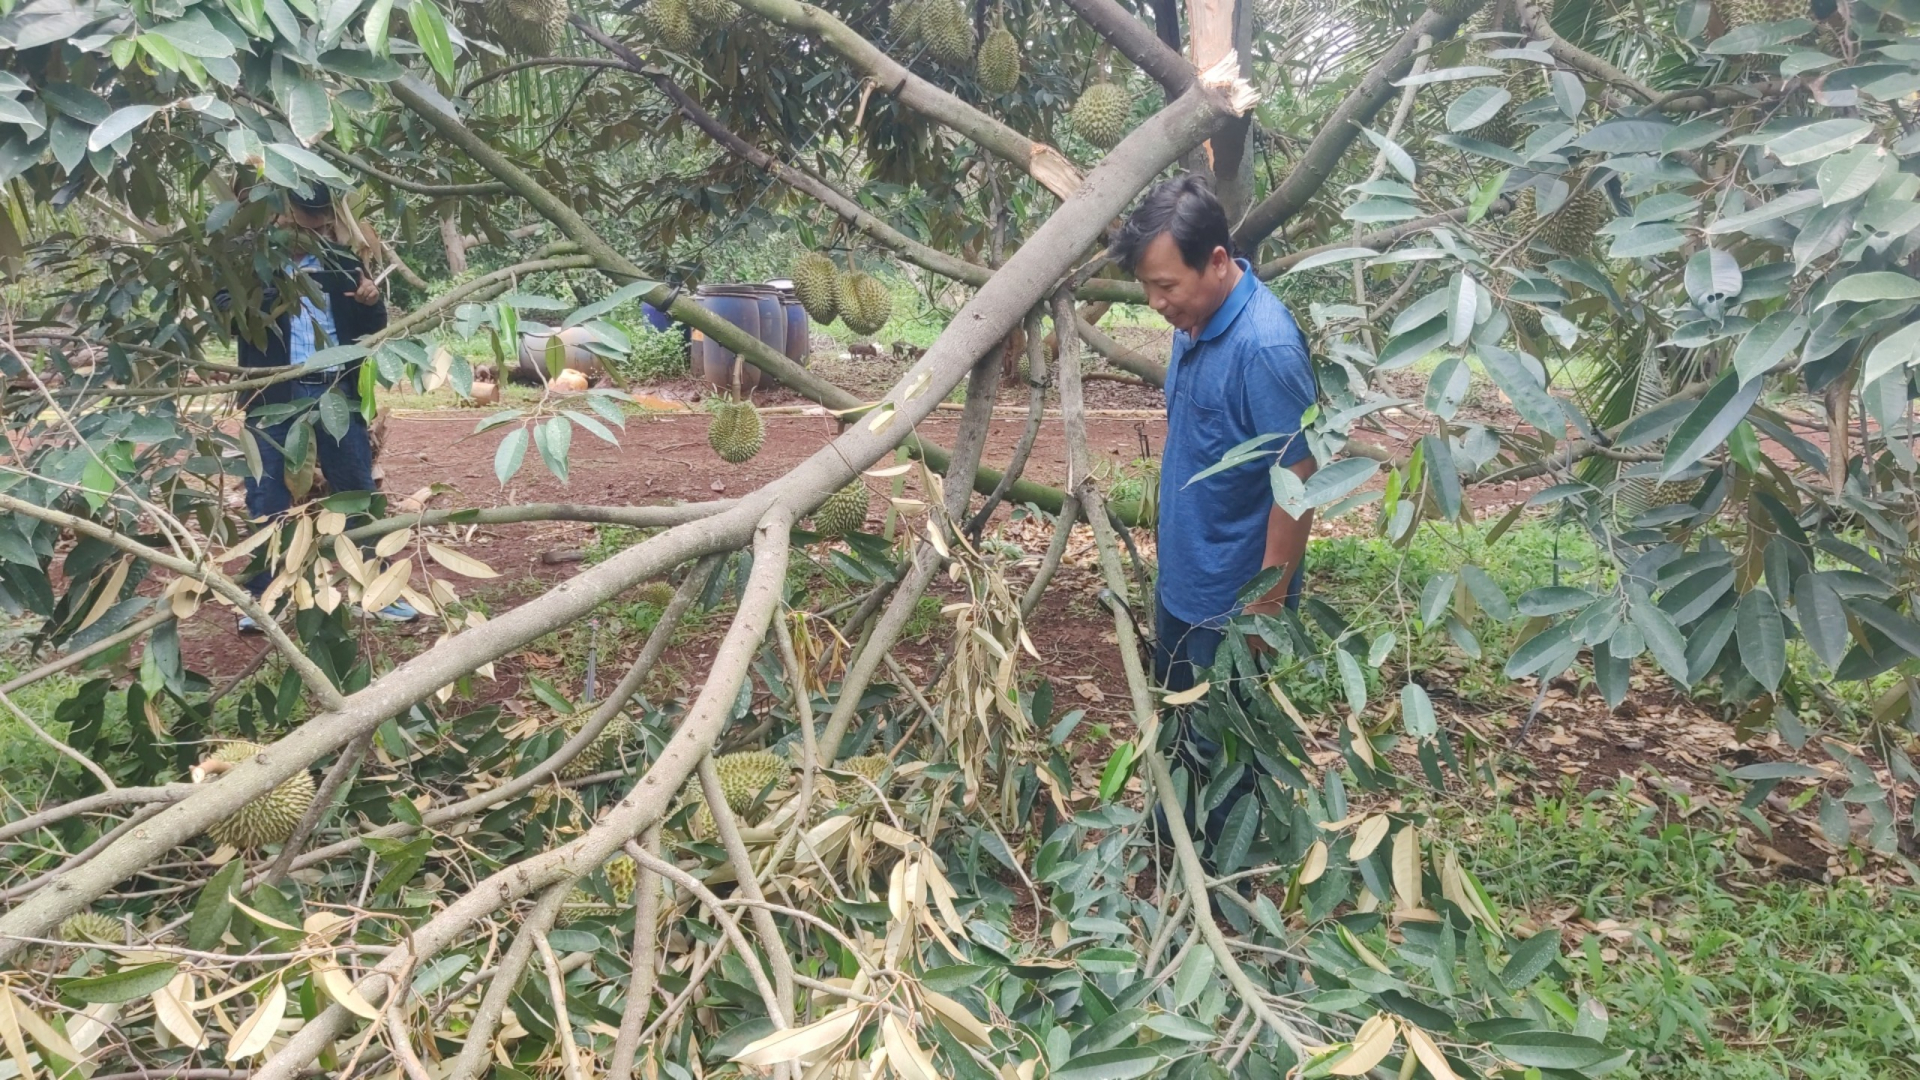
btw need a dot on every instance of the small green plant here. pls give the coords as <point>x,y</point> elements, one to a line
<point>656,354</point>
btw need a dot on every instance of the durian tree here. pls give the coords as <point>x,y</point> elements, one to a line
<point>1644,226</point>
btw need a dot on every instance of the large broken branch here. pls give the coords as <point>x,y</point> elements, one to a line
<point>1338,132</point>
<point>1137,43</point>
<point>1042,162</point>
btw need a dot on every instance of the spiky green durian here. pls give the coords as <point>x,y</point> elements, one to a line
<point>948,32</point>
<point>844,512</point>
<point>673,24</point>
<point>865,303</point>
<point>737,431</point>
<point>91,926</point>
<point>816,281</point>
<point>267,820</point>
<point>998,65</point>
<point>1100,116</point>
<point>530,27</point>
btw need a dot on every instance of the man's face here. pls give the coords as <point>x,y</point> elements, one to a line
<point>1183,296</point>
<point>312,220</point>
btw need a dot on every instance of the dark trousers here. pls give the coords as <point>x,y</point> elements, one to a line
<point>346,462</point>
<point>1182,655</point>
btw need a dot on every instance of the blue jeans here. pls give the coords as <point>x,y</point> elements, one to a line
<point>346,462</point>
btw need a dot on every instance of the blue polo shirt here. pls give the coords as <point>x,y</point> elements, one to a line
<point>1246,374</point>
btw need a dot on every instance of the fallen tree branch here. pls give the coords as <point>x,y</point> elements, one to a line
<point>646,919</point>
<point>476,1045</point>
<point>1138,43</point>
<point>1037,381</point>
<point>126,796</point>
<point>747,881</point>
<point>484,287</point>
<point>79,656</point>
<point>310,674</point>
<point>632,517</point>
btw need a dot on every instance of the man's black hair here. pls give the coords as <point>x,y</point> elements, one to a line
<point>1184,208</point>
<point>317,198</point>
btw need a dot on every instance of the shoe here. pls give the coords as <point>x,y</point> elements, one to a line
<point>398,611</point>
<point>249,627</point>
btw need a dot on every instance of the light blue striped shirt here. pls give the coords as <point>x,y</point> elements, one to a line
<point>312,326</point>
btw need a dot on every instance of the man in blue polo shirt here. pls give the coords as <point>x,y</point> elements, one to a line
<point>1239,369</point>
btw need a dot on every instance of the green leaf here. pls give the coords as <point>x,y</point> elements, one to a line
<point>1818,140</point>
<point>1553,600</point>
<point>1531,958</point>
<point>1487,592</point>
<point>379,16</point>
<point>195,36</point>
<point>1394,154</point>
<point>1790,203</point>
<point>1529,398</point>
<point>1712,276</point>
<point>1626,136</point>
<point>120,986</point>
<point>213,909</point>
<point>1762,637</point>
<point>1484,195</point>
<point>1452,74</point>
<point>1663,639</point>
<point>1552,1049</point>
<point>1849,175</point>
<point>1328,258</point>
<point>1543,652</point>
<point>1196,974</point>
<point>1644,241</point>
<point>335,414</point>
<point>1724,405</point>
<point>1434,597</point>
<point>1893,353</point>
<point>513,451</point>
<point>1122,1064</point>
<point>430,32</point>
<point>1476,106</point>
<point>1872,287</point>
<point>1119,767</point>
<point>1769,343</point>
<point>953,977</point>
<point>1758,37</point>
<point>1416,712</point>
<point>1352,680</point>
<point>1337,480</point>
<point>1777,770</point>
<point>572,941</point>
<point>120,123</point>
<point>1823,619</point>
<point>1824,232</point>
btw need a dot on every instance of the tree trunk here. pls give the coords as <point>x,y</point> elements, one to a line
<point>456,244</point>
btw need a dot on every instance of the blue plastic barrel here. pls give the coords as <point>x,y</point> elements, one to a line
<point>799,328</point>
<point>739,305</point>
<point>656,318</point>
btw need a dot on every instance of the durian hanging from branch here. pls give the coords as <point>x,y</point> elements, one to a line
<point>998,65</point>
<point>529,27</point>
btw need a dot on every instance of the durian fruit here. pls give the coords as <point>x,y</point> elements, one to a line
<point>582,904</point>
<point>712,14</point>
<point>530,27</point>
<point>865,303</point>
<point>1738,13</point>
<point>908,16</point>
<point>816,281</point>
<point>1572,229</point>
<point>743,776</point>
<point>737,431</point>
<point>948,32</point>
<point>867,766</point>
<point>1100,116</point>
<point>262,821</point>
<point>998,65</point>
<point>1638,494</point>
<point>673,24</point>
<point>91,926</point>
<point>622,873</point>
<point>844,511</point>
<point>1526,321</point>
<point>602,751</point>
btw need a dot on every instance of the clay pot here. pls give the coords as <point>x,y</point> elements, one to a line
<point>532,369</point>
<point>485,393</point>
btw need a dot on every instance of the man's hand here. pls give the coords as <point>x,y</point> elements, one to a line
<point>368,291</point>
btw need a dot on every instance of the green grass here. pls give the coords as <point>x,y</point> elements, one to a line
<point>1725,975</point>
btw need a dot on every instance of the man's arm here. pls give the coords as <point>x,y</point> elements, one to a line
<point>1286,546</point>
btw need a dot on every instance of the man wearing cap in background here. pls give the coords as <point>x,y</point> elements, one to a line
<point>338,305</point>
